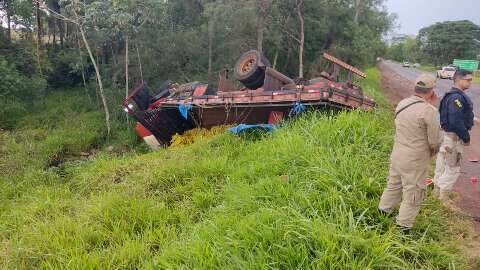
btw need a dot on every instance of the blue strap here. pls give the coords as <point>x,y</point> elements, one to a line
<point>242,127</point>
<point>184,108</point>
<point>298,107</point>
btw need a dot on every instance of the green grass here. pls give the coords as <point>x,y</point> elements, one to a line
<point>303,197</point>
<point>427,68</point>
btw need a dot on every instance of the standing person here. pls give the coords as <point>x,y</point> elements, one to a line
<point>456,119</point>
<point>417,140</point>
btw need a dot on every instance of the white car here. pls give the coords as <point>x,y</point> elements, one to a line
<point>406,64</point>
<point>446,73</point>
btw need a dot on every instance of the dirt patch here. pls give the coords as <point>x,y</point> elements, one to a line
<point>468,189</point>
<point>62,157</point>
<point>395,86</point>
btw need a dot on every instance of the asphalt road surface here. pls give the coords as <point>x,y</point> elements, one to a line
<point>443,85</point>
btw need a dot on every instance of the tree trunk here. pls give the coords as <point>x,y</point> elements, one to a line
<point>105,55</point>
<point>83,70</point>
<point>211,28</point>
<point>262,9</point>
<point>54,34</point>
<point>114,58</point>
<point>61,30</point>
<point>358,4</point>
<point>139,63</point>
<point>9,29</point>
<point>39,23</point>
<point>67,33</point>
<point>287,59</point>
<point>99,79</point>
<point>302,38</point>
<point>260,29</point>
<point>328,42</point>
<point>114,65</point>
<point>275,60</point>
<point>126,72</point>
<point>39,40</point>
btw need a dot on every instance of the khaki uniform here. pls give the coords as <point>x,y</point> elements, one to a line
<point>417,140</point>
<point>447,168</point>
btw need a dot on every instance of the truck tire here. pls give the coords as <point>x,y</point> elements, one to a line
<point>250,69</point>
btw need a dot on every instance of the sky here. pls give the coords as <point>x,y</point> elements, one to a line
<point>413,15</point>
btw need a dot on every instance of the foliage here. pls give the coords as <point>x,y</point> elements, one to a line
<point>13,83</point>
<point>438,44</point>
<point>443,42</point>
<point>67,68</point>
<point>329,26</point>
<point>406,50</point>
<point>183,40</point>
<point>17,92</point>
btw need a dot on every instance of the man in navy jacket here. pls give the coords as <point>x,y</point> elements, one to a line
<point>456,119</point>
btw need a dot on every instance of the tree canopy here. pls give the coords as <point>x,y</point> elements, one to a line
<point>442,42</point>
<point>116,44</point>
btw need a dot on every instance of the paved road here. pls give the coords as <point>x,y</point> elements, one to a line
<point>442,85</point>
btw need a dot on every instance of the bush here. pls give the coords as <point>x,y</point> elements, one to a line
<point>15,84</point>
<point>66,68</point>
<point>17,92</point>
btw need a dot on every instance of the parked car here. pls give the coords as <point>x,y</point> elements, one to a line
<point>416,65</point>
<point>446,72</point>
<point>406,64</point>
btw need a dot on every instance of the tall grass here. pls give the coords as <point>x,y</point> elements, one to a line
<point>428,68</point>
<point>303,197</point>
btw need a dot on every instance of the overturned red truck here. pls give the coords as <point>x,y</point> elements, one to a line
<point>266,96</point>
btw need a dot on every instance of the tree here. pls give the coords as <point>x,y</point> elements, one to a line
<point>263,7</point>
<point>442,42</point>
<point>299,9</point>
<point>293,25</point>
<point>74,8</point>
<point>186,40</point>
<point>8,10</point>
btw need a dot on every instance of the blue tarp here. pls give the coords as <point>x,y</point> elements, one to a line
<point>242,127</point>
<point>297,108</point>
<point>184,108</point>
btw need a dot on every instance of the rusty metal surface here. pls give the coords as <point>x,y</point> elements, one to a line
<point>344,65</point>
<point>224,82</point>
<point>277,96</point>
<point>279,76</point>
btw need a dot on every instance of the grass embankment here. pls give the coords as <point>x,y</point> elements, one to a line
<point>303,197</point>
<point>427,68</point>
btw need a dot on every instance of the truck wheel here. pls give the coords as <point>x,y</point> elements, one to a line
<point>250,69</point>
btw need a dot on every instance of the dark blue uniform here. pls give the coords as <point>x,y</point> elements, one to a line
<point>456,114</point>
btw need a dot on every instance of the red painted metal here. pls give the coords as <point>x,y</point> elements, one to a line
<point>275,117</point>
<point>200,90</point>
<point>268,104</point>
<point>344,65</point>
<point>142,131</point>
